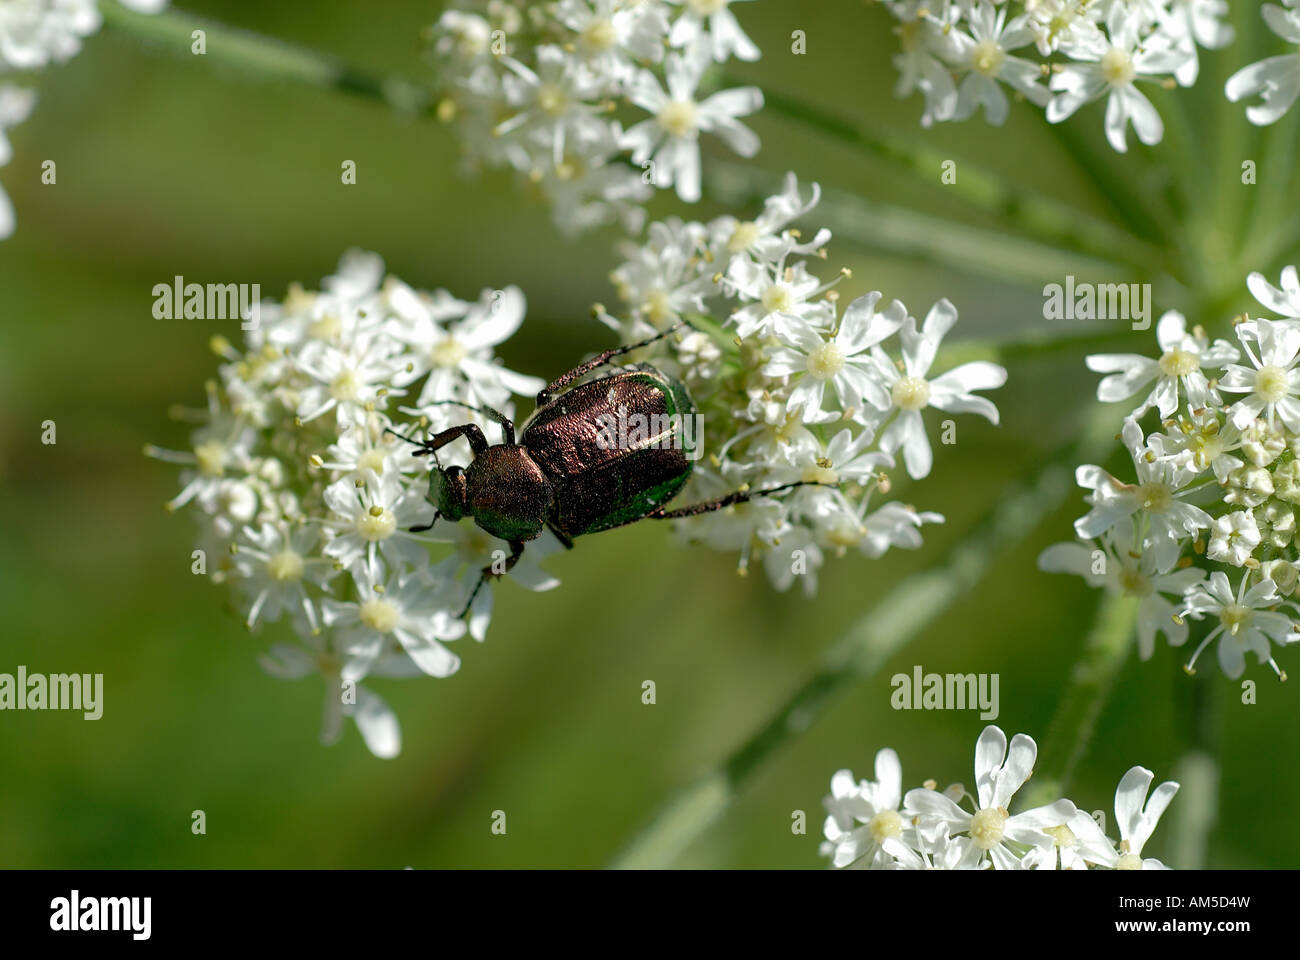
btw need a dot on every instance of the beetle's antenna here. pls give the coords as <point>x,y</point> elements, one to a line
<point>423,447</point>
<point>486,411</point>
<point>402,436</point>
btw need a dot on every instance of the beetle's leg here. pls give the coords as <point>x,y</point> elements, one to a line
<point>421,528</point>
<point>580,371</point>
<point>470,431</point>
<point>720,503</point>
<point>564,538</point>
<point>496,416</point>
<point>516,551</point>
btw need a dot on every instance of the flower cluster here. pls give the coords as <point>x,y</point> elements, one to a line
<point>545,89</point>
<point>306,499</point>
<point>872,825</point>
<point>962,55</point>
<point>34,34</point>
<point>792,387</point>
<point>1206,527</point>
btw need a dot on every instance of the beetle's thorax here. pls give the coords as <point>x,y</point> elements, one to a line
<point>507,493</point>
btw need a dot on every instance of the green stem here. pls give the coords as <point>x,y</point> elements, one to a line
<point>1145,219</point>
<point>1034,214</point>
<point>894,230</point>
<point>253,56</point>
<point>1195,811</point>
<point>1087,690</point>
<point>863,650</point>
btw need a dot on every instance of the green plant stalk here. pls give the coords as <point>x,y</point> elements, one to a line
<point>256,57</point>
<point>864,649</point>
<point>1194,811</point>
<point>881,227</point>
<point>1087,690</point>
<point>1034,214</point>
<point>1148,220</point>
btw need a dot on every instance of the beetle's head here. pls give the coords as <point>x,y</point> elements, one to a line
<point>447,492</point>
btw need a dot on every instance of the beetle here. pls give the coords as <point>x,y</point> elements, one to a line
<point>563,474</point>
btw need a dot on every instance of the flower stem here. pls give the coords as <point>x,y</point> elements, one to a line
<point>256,57</point>
<point>872,225</point>
<point>1033,214</point>
<point>863,650</point>
<point>1087,690</point>
<point>1196,810</point>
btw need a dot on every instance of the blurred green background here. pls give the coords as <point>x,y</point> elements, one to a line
<point>172,165</point>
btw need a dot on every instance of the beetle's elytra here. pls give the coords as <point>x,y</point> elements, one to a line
<point>563,474</point>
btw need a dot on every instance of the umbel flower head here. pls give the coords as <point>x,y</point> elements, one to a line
<point>306,499</point>
<point>34,34</point>
<point>872,825</point>
<point>793,387</point>
<point>1204,526</point>
<point>964,55</point>
<point>594,102</point>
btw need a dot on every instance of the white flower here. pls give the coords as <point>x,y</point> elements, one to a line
<point>394,614</point>
<point>15,106</point>
<point>984,52</point>
<point>935,850</point>
<point>661,280</point>
<point>455,355</point>
<point>767,238</point>
<point>1184,356</point>
<point>1157,496</point>
<point>894,525</point>
<point>908,391</point>
<point>277,564</point>
<point>841,362</point>
<point>999,773</point>
<point>375,720</point>
<point>784,300</point>
<point>350,381</point>
<point>1119,571</point>
<point>1272,382</point>
<point>1110,67</point>
<point>1276,80</point>
<point>35,33</point>
<point>669,140</point>
<point>711,26</point>
<point>1284,300</point>
<point>1136,817</point>
<point>1233,538</point>
<point>920,67</point>
<point>1245,622</point>
<point>375,516</point>
<point>553,103</point>
<point>1193,23</point>
<point>1063,24</point>
<point>610,35</point>
<point>863,815</point>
